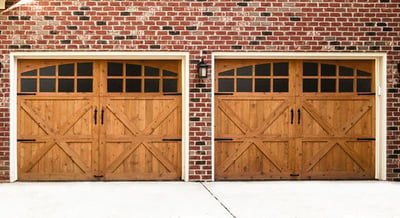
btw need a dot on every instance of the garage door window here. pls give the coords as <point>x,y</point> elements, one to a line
<point>133,78</point>
<point>255,78</point>
<point>331,78</point>
<point>63,78</point>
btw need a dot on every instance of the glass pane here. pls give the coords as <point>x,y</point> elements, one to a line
<point>346,85</point>
<point>244,85</point>
<point>85,85</point>
<point>263,85</point>
<point>47,85</point>
<point>115,69</point>
<point>65,85</point>
<point>281,85</point>
<point>281,69</point>
<point>114,85</point>
<point>328,70</point>
<point>48,71</point>
<point>151,85</point>
<point>85,69</point>
<point>364,85</point>
<point>169,73</point>
<point>66,70</point>
<point>310,69</point>
<point>133,70</point>
<point>151,71</point>
<point>328,85</point>
<point>28,85</point>
<point>170,85</point>
<point>310,85</point>
<point>227,73</point>
<point>363,73</point>
<point>133,85</point>
<point>29,73</point>
<point>225,85</point>
<point>345,71</point>
<point>245,71</point>
<point>263,70</point>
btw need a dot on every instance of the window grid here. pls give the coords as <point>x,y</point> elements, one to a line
<point>56,77</point>
<point>272,79</point>
<point>338,79</point>
<point>145,80</point>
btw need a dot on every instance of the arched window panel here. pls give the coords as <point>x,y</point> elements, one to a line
<point>135,78</point>
<point>61,78</point>
<point>256,78</point>
<point>334,78</point>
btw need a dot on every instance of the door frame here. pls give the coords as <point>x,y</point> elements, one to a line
<point>182,56</point>
<point>380,87</point>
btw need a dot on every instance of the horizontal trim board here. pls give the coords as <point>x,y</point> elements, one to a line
<point>101,55</point>
<point>299,55</point>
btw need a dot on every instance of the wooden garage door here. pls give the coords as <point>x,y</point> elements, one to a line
<point>294,119</point>
<point>99,120</point>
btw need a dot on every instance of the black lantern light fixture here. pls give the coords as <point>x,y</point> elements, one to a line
<point>202,69</point>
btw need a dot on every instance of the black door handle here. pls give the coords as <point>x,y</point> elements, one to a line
<point>102,116</point>
<point>95,116</point>
<point>291,116</point>
<point>299,116</point>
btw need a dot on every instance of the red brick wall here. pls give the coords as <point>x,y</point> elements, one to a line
<point>202,27</point>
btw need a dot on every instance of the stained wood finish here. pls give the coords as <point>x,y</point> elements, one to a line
<point>294,135</point>
<point>98,135</point>
<point>132,140</point>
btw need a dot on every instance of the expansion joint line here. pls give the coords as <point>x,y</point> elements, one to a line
<point>216,198</point>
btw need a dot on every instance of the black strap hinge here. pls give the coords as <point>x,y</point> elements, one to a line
<point>366,93</point>
<point>26,93</point>
<point>26,140</point>
<point>223,139</point>
<point>365,139</point>
<point>171,140</point>
<point>172,93</point>
<point>223,93</point>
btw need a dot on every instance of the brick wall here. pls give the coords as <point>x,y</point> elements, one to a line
<point>202,27</point>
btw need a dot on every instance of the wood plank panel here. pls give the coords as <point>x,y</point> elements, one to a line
<point>260,141</point>
<point>94,134</point>
<point>323,132</point>
<point>141,123</point>
<point>52,122</point>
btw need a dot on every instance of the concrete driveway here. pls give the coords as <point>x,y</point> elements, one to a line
<point>218,199</point>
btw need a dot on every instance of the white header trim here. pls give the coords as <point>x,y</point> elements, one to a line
<point>102,55</point>
<point>298,55</point>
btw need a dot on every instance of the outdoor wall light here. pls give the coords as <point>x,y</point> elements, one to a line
<point>202,69</point>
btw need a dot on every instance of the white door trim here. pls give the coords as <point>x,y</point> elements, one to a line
<point>380,86</point>
<point>183,56</point>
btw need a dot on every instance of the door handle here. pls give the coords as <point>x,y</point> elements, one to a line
<point>95,116</point>
<point>102,116</point>
<point>291,116</point>
<point>299,115</point>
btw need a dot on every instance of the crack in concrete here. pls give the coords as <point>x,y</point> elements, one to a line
<point>216,198</point>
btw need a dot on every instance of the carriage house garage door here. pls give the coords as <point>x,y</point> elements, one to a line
<point>99,120</point>
<point>294,119</point>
